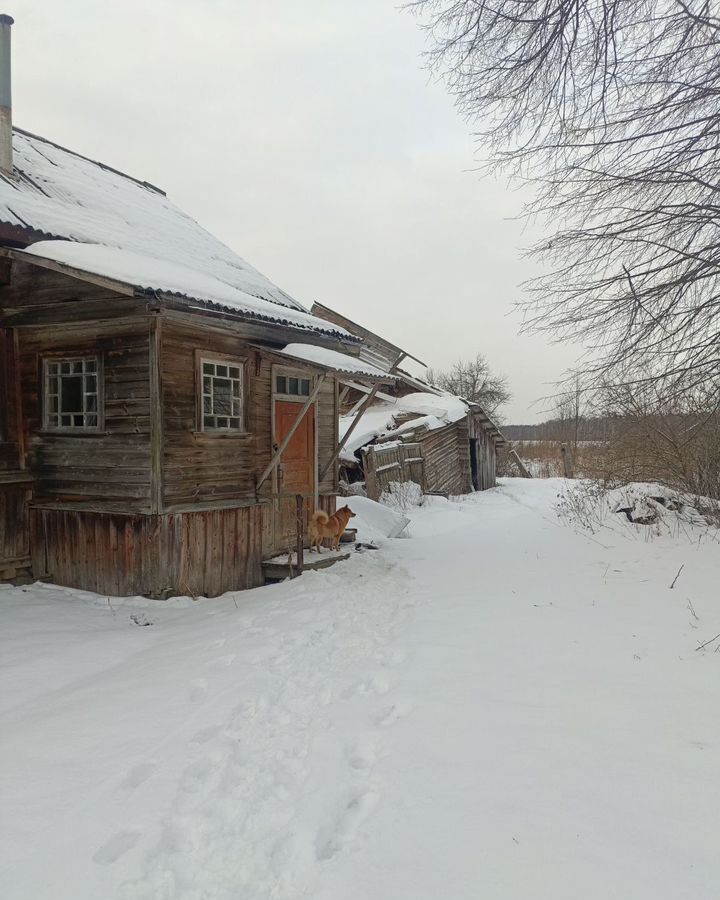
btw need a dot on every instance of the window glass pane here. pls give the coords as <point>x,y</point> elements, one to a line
<point>71,394</point>
<point>66,421</point>
<point>222,396</point>
<point>305,387</point>
<point>281,384</point>
<point>292,385</point>
<point>90,384</point>
<point>78,421</point>
<point>91,403</point>
<point>53,385</point>
<point>77,365</point>
<point>91,421</point>
<point>90,365</point>
<point>53,404</point>
<point>52,368</point>
<point>65,368</point>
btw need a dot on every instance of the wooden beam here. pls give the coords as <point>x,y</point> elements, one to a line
<point>525,473</point>
<point>353,425</point>
<point>80,274</point>
<point>17,399</point>
<point>364,389</point>
<point>156,429</point>
<point>286,440</point>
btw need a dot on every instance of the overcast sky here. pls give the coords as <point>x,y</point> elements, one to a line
<point>306,135</point>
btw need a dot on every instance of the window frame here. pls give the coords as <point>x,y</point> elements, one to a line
<point>69,357</point>
<point>216,359</point>
<point>288,372</point>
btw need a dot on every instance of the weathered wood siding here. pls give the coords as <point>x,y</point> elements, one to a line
<point>14,528</point>
<point>328,418</point>
<point>15,484</point>
<point>9,402</point>
<point>204,468</point>
<point>198,553</point>
<point>486,452</point>
<point>396,463</point>
<point>447,459</point>
<point>149,503</point>
<point>110,469</point>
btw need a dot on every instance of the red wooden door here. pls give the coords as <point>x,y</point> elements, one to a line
<point>297,464</point>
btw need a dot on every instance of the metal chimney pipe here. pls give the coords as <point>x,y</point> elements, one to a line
<point>6,153</point>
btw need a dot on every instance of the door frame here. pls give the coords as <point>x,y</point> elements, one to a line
<point>294,372</point>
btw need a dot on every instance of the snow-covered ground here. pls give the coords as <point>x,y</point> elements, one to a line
<point>497,707</point>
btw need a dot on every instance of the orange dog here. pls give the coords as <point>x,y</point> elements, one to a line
<point>325,526</point>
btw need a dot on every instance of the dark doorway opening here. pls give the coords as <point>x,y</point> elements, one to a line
<point>474,464</point>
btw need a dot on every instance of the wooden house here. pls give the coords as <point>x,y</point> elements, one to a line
<point>411,430</point>
<point>162,402</point>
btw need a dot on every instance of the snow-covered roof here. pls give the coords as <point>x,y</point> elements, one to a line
<point>427,410</point>
<point>59,194</point>
<point>332,359</point>
<point>147,272</point>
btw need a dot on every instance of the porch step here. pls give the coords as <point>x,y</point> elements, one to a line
<point>280,567</point>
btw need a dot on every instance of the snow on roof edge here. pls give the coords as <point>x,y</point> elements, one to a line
<point>116,265</point>
<point>333,359</point>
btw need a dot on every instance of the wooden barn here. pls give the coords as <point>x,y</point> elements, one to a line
<point>162,402</point>
<point>409,430</point>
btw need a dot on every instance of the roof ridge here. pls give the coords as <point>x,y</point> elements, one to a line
<point>95,162</point>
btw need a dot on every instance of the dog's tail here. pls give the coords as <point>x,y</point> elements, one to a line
<point>320,517</point>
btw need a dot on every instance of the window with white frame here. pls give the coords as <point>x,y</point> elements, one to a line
<point>222,395</point>
<point>292,386</point>
<point>72,393</point>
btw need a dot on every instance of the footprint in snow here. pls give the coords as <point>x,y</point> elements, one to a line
<point>198,689</point>
<point>117,846</point>
<point>205,734</point>
<point>138,775</point>
<point>361,755</point>
<point>377,685</point>
<point>344,830</point>
<point>393,713</point>
<point>196,776</point>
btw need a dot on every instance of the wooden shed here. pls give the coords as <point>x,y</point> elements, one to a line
<point>456,439</point>
<point>161,401</point>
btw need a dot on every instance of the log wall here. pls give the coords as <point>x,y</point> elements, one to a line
<point>108,469</point>
<point>148,503</point>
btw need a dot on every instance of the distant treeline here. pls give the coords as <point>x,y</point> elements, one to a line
<point>588,429</point>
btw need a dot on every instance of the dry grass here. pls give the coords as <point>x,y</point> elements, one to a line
<point>543,459</point>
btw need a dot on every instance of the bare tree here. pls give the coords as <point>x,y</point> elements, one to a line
<point>611,110</point>
<point>655,438</point>
<point>472,380</point>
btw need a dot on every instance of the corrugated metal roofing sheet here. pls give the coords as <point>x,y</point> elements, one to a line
<point>57,193</point>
